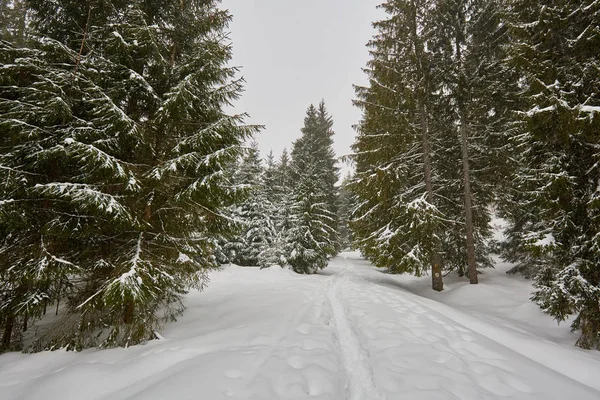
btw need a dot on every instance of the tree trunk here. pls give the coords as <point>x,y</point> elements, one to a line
<point>7,334</point>
<point>423,73</point>
<point>437,282</point>
<point>128,314</point>
<point>57,302</point>
<point>463,97</point>
<point>472,267</point>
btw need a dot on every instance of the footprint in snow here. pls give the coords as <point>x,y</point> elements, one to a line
<point>466,337</point>
<point>304,329</point>
<point>449,328</point>
<point>233,374</point>
<point>295,362</point>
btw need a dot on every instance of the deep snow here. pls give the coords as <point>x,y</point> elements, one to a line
<point>351,332</point>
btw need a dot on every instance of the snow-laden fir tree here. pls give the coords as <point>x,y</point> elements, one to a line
<point>345,204</point>
<point>223,252</point>
<point>429,142</point>
<point>276,194</point>
<point>283,193</point>
<point>472,113</point>
<point>312,237</point>
<point>396,223</point>
<point>117,143</point>
<point>555,208</point>
<point>48,208</point>
<point>254,214</point>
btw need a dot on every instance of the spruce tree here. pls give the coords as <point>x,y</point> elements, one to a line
<point>283,192</point>
<point>345,204</point>
<point>254,214</point>
<point>554,207</point>
<point>312,237</point>
<point>468,40</point>
<point>429,143</point>
<point>396,222</point>
<point>48,204</point>
<point>276,200</point>
<point>118,142</point>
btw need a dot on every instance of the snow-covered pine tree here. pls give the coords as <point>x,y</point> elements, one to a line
<point>269,178</point>
<point>259,235</point>
<point>276,201</point>
<point>396,223</point>
<point>432,133</point>
<point>282,172</point>
<point>245,177</point>
<point>51,202</point>
<point>284,192</point>
<point>255,213</point>
<point>471,117</point>
<point>554,48</point>
<point>312,237</point>
<point>119,141</point>
<point>224,253</point>
<point>345,204</point>
<point>330,174</point>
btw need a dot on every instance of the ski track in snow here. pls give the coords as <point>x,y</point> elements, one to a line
<point>359,374</point>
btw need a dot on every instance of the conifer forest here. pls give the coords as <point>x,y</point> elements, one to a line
<point>138,206</point>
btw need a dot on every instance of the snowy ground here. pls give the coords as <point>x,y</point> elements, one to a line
<point>349,333</point>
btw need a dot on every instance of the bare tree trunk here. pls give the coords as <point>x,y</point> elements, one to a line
<point>85,32</point>
<point>472,267</point>
<point>463,96</point>
<point>437,281</point>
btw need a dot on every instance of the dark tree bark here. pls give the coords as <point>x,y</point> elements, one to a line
<point>472,267</point>
<point>9,323</point>
<point>463,90</point>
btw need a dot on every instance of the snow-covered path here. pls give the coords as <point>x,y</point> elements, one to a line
<point>360,380</point>
<point>349,333</point>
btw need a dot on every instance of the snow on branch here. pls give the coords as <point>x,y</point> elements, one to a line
<point>85,196</point>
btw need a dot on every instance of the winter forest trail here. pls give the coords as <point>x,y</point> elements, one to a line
<point>359,374</point>
<point>420,352</point>
<point>347,333</point>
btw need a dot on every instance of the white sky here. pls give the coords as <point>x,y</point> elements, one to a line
<point>297,52</point>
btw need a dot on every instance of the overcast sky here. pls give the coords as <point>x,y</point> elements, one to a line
<point>297,52</point>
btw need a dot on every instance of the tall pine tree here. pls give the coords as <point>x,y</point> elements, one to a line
<point>118,142</point>
<point>554,207</point>
<point>467,41</point>
<point>433,119</point>
<point>255,214</point>
<point>397,223</point>
<point>312,238</point>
